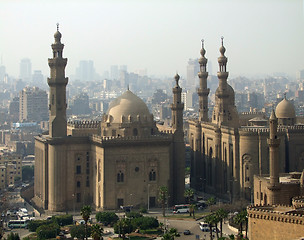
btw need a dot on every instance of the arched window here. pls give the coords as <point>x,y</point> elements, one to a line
<point>135,132</point>
<point>120,176</point>
<point>152,175</point>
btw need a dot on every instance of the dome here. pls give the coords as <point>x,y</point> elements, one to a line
<point>57,34</point>
<point>285,109</point>
<point>128,104</point>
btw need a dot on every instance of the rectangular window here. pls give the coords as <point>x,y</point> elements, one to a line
<point>78,169</point>
<point>120,202</point>
<point>78,184</point>
<point>88,183</point>
<point>88,171</point>
<point>78,197</point>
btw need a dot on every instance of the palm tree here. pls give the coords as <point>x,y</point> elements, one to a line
<point>163,197</point>
<point>221,214</point>
<point>97,232</point>
<point>212,221</point>
<point>189,193</point>
<point>241,218</point>
<point>85,213</point>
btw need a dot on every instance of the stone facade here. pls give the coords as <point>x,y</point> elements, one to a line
<point>275,222</point>
<point>226,154</point>
<point>121,160</point>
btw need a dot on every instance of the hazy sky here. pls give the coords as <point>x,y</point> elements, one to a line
<point>260,36</point>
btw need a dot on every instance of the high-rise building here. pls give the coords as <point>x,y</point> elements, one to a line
<point>2,73</point>
<point>114,72</point>
<point>85,71</point>
<point>37,78</point>
<point>33,105</point>
<point>25,70</point>
<point>192,71</point>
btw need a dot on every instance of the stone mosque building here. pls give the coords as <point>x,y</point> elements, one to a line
<point>226,154</point>
<point>121,160</point>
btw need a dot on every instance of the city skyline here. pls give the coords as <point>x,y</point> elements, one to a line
<point>261,37</point>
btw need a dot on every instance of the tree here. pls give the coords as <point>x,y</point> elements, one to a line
<point>221,214</point>
<point>123,226</point>
<point>212,221</point>
<point>163,197</point>
<point>47,231</point>
<point>167,236</point>
<point>85,213</point>
<point>189,193</point>
<point>13,236</point>
<point>241,218</point>
<point>107,218</point>
<point>96,232</point>
<point>27,173</point>
<point>192,209</point>
<point>80,231</point>
<point>211,201</point>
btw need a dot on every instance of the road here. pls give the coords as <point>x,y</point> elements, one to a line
<point>16,201</point>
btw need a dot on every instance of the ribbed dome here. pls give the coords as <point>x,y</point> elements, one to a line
<point>285,109</point>
<point>128,104</point>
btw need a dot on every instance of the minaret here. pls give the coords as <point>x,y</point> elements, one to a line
<point>57,83</point>
<point>177,107</point>
<point>178,159</point>
<point>222,91</point>
<point>274,143</point>
<point>203,91</point>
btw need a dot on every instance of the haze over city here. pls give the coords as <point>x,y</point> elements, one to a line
<point>261,37</point>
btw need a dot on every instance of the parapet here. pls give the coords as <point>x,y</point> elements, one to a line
<point>84,124</point>
<point>280,213</point>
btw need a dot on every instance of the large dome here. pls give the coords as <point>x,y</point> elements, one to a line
<point>127,105</point>
<point>285,109</point>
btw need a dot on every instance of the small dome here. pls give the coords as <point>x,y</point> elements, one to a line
<point>128,104</point>
<point>57,34</point>
<point>285,109</point>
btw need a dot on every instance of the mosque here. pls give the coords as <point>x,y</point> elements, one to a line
<point>121,160</point>
<point>226,152</point>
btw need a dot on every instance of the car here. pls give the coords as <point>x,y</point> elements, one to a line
<point>187,232</point>
<point>204,227</point>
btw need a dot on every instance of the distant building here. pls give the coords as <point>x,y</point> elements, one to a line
<point>25,70</point>
<point>33,104</point>
<point>10,169</point>
<point>37,79</point>
<point>80,104</point>
<point>192,71</point>
<point>85,71</point>
<point>114,72</point>
<point>2,73</point>
<point>14,109</point>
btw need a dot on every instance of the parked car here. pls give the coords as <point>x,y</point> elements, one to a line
<point>187,232</point>
<point>204,227</point>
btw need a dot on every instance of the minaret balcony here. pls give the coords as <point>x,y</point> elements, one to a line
<point>222,75</point>
<point>203,75</point>
<point>203,92</point>
<point>274,142</point>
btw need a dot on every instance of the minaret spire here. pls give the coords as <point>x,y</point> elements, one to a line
<point>57,83</point>
<point>274,143</point>
<point>203,91</point>
<point>177,106</point>
<point>220,115</point>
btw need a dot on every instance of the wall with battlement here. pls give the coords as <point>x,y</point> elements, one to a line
<point>83,128</point>
<point>279,222</point>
